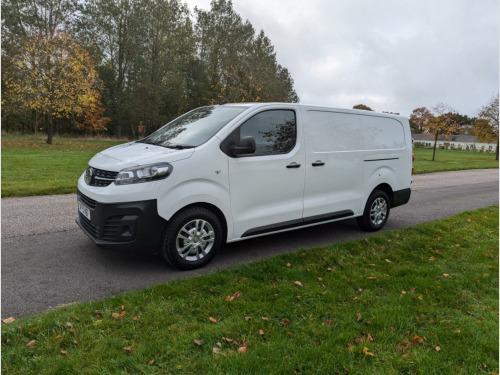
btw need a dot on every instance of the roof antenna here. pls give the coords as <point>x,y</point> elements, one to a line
<point>228,98</point>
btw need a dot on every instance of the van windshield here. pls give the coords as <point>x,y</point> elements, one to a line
<point>194,128</point>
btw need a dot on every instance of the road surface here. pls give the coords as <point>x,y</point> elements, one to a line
<point>47,261</point>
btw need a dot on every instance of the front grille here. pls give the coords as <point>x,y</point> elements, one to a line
<point>100,177</point>
<point>90,203</point>
<point>87,224</point>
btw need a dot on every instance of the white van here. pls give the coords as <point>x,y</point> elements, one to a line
<point>230,172</point>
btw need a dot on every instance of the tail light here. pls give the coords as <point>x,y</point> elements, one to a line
<point>412,160</point>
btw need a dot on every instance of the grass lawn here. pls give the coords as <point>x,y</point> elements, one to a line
<point>31,167</point>
<point>421,300</point>
<point>452,160</point>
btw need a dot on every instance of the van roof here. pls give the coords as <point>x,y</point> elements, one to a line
<point>317,107</point>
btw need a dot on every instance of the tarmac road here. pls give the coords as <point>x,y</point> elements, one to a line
<point>48,262</point>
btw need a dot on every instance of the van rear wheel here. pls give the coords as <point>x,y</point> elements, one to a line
<point>376,212</point>
<point>192,238</point>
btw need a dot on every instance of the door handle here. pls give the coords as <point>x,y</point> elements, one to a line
<point>293,165</point>
<point>318,163</point>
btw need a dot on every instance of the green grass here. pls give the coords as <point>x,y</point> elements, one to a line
<point>31,167</point>
<point>422,300</point>
<point>451,160</point>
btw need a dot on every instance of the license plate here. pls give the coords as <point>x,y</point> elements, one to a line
<point>84,210</point>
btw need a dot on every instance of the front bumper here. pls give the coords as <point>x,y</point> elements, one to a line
<point>131,226</point>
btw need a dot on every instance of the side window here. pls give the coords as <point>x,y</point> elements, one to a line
<point>274,131</point>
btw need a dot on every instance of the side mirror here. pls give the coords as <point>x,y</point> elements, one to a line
<point>246,145</point>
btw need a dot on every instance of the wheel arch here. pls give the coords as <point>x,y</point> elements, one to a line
<point>215,210</point>
<point>386,188</point>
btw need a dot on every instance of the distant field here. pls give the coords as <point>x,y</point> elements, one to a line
<point>31,167</point>
<point>452,160</point>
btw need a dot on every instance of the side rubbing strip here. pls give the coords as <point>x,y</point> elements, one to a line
<point>297,223</point>
<point>382,159</point>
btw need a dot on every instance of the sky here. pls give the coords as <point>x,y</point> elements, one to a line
<point>392,55</point>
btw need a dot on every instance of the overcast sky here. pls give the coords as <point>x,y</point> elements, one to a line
<point>391,55</point>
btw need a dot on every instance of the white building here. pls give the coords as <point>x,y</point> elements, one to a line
<point>453,142</point>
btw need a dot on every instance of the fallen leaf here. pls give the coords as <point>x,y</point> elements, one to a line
<point>370,338</point>
<point>75,342</point>
<point>116,315</point>
<point>416,340</point>
<point>438,348</point>
<point>358,317</point>
<point>329,269</point>
<point>420,297</point>
<point>128,349</point>
<point>261,332</point>
<point>197,342</point>
<point>9,320</point>
<point>393,328</point>
<point>152,362</point>
<point>212,320</point>
<point>403,292</point>
<point>320,279</point>
<point>242,348</point>
<point>432,258</point>
<point>219,345</point>
<point>98,314</point>
<point>234,296</point>
<point>64,352</point>
<point>123,313</point>
<point>247,318</point>
<point>388,260</point>
<point>445,275</point>
<point>216,350</point>
<point>265,318</point>
<point>135,317</point>
<point>298,283</point>
<point>68,324</point>
<point>328,322</point>
<point>372,278</point>
<point>31,344</point>
<point>58,337</point>
<point>469,220</point>
<point>288,265</point>
<point>285,321</point>
<point>366,351</point>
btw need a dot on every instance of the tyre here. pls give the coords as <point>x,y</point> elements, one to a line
<point>192,238</point>
<point>376,212</point>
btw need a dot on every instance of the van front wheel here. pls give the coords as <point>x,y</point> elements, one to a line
<point>376,212</point>
<point>191,238</point>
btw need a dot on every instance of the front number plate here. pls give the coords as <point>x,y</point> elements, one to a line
<point>84,210</point>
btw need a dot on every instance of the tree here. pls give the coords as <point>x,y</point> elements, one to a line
<point>419,118</point>
<point>362,106</point>
<point>486,128</point>
<point>54,77</point>
<point>442,123</point>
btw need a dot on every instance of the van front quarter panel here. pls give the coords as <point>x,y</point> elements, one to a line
<point>201,179</point>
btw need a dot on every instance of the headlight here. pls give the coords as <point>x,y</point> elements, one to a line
<point>144,173</point>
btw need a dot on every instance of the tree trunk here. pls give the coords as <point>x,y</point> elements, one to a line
<point>435,143</point>
<point>50,128</point>
<point>496,157</point>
